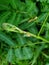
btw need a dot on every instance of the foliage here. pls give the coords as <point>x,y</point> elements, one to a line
<point>24,32</point>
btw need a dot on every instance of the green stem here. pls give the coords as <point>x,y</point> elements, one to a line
<point>12,28</point>
<point>46,56</point>
<point>38,37</point>
<point>43,25</point>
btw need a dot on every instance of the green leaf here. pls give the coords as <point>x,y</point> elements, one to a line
<point>5,2</point>
<point>20,39</point>
<point>18,54</point>
<point>40,19</point>
<point>47,63</point>
<point>9,57</point>
<point>12,18</point>
<point>37,53</point>
<point>18,19</point>
<point>27,52</point>
<point>6,39</point>
<point>31,8</point>
<point>47,31</point>
<point>3,17</point>
<point>4,7</point>
<point>13,4</point>
<point>24,53</point>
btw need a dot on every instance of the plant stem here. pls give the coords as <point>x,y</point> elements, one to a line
<point>43,25</point>
<point>12,28</point>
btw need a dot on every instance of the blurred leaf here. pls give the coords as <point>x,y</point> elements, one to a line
<point>6,39</point>
<point>18,54</point>
<point>4,16</point>
<point>27,53</point>
<point>9,55</point>
<point>20,39</point>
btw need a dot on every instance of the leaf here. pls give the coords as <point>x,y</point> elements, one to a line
<point>44,7</point>
<point>37,53</point>
<point>3,17</point>
<point>44,1</point>
<point>33,29</point>
<point>5,2</point>
<point>13,4</point>
<point>24,53</point>
<point>9,57</point>
<point>18,19</point>
<point>47,31</point>
<point>6,39</point>
<point>12,18</point>
<point>18,54</point>
<point>47,63</point>
<point>20,39</point>
<point>4,7</point>
<point>40,19</point>
<point>20,6</point>
<point>27,53</point>
<point>47,35</point>
<point>31,8</point>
